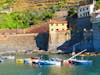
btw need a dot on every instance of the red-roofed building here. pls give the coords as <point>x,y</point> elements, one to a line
<point>59,33</point>
<point>57,26</point>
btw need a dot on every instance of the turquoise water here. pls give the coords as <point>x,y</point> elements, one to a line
<point>11,68</point>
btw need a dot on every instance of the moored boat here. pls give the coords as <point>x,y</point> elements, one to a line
<point>31,60</point>
<point>20,61</point>
<point>49,62</point>
<point>1,60</point>
<point>8,57</point>
<point>79,62</point>
<point>35,60</point>
<point>72,60</point>
<point>27,61</point>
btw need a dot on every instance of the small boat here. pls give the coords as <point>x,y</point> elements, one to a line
<point>27,61</point>
<point>72,60</point>
<point>35,60</point>
<point>79,62</point>
<point>1,60</point>
<point>32,60</point>
<point>49,62</point>
<point>20,61</point>
<point>8,57</point>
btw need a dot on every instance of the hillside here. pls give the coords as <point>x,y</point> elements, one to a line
<point>24,13</point>
<point>21,5</point>
<point>6,3</point>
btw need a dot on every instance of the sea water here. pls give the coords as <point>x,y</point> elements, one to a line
<point>9,67</point>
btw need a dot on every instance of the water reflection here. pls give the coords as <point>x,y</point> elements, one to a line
<point>11,68</point>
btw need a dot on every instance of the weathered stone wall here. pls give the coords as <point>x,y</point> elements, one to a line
<point>57,39</point>
<point>18,42</point>
<point>32,41</point>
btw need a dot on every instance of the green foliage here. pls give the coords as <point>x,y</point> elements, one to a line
<point>53,8</point>
<point>98,4</point>
<point>71,12</point>
<point>48,15</point>
<point>62,4</point>
<point>6,3</point>
<point>12,21</point>
<point>24,19</point>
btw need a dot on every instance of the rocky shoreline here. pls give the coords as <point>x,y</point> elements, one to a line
<point>47,52</point>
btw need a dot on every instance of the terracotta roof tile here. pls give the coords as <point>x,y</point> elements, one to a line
<point>58,21</point>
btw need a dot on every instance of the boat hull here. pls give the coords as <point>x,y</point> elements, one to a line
<point>80,62</point>
<point>49,62</point>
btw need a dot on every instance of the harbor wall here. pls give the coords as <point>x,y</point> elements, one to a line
<point>17,42</point>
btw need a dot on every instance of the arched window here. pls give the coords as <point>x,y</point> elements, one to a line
<point>56,24</point>
<point>51,29</point>
<point>63,24</point>
<point>57,29</point>
<point>52,24</point>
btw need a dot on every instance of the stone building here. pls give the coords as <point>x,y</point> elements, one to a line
<point>96,31</point>
<point>86,9</point>
<point>58,33</point>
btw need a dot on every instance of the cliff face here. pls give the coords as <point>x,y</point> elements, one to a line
<point>34,5</point>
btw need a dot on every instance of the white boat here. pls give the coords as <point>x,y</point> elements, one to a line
<point>35,60</point>
<point>72,59</point>
<point>27,61</point>
<point>32,60</point>
<point>8,57</point>
<point>79,62</point>
<point>50,62</point>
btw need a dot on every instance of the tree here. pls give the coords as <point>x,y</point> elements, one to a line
<point>98,4</point>
<point>48,15</point>
<point>53,8</point>
<point>62,4</point>
<point>71,12</point>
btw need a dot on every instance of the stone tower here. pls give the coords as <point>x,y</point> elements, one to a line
<point>58,33</point>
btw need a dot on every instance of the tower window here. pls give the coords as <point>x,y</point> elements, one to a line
<point>80,10</point>
<point>57,29</point>
<point>62,29</point>
<point>51,29</point>
<point>63,24</point>
<point>56,24</point>
<point>51,24</point>
<point>88,13</point>
<point>83,9</point>
<point>87,8</point>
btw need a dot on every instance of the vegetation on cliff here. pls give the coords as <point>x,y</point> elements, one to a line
<point>24,19</point>
<point>6,3</point>
<point>72,12</point>
<point>98,4</point>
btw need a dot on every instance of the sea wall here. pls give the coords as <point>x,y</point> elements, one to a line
<point>17,42</point>
<point>36,41</point>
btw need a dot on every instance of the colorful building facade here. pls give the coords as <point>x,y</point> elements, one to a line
<point>58,33</point>
<point>86,9</point>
